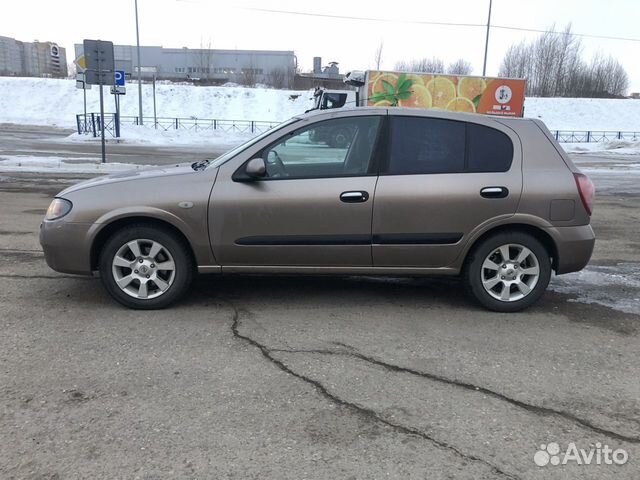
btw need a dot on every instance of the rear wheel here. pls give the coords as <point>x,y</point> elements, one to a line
<point>146,267</point>
<point>508,271</point>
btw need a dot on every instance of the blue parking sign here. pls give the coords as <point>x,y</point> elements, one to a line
<point>119,77</point>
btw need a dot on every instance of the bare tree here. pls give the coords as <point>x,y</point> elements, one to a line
<point>248,75</point>
<point>460,67</point>
<point>552,64</point>
<point>205,59</point>
<point>427,65</point>
<point>377,57</point>
<point>277,77</point>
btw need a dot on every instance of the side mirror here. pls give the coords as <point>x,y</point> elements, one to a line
<point>256,168</point>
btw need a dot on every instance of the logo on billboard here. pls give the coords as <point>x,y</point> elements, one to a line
<point>503,94</point>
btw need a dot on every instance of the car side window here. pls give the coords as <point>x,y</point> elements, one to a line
<point>426,145</point>
<point>489,149</point>
<point>332,148</point>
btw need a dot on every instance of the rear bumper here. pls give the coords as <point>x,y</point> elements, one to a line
<point>66,246</point>
<point>575,246</point>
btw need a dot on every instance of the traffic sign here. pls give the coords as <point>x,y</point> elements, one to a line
<point>80,83</point>
<point>119,78</point>
<point>81,63</point>
<point>117,90</point>
<point>100,63</point>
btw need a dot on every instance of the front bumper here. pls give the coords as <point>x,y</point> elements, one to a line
<point>575,246</point>
<point>66,246</point>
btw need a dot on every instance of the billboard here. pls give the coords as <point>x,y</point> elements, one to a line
<point>487,95</point>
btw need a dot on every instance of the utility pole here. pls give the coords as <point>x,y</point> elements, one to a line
<point>486,43</point>
<point>140,119</point>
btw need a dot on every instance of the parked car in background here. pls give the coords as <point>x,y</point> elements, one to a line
<point>407,192</point>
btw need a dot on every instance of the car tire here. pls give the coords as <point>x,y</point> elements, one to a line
<point>146,255</point>
<point>508,271</point>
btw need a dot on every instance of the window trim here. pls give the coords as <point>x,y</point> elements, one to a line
<point>385,165</point>
<point>372,170</point>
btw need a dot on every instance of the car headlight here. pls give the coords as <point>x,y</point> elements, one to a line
<point>58,209</point>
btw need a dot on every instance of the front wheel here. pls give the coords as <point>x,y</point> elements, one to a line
<point>145,267</point>
<point>509,271</point>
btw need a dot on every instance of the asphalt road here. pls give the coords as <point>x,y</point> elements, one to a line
<point>314,378</point>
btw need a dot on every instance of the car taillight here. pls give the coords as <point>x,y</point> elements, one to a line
<point>586,190</point>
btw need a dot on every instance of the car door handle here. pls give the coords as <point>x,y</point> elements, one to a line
<point>494,192</point>
<point>358,196</point>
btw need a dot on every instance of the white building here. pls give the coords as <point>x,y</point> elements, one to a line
<point>208,65</point>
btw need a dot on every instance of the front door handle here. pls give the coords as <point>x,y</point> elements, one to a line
<point>494,192</point>
<point>357,196</point>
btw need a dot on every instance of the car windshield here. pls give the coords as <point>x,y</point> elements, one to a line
<point>233,152</point>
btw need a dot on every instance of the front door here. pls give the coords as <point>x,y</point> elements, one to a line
<point>313,207</point>
<point>443,179</point>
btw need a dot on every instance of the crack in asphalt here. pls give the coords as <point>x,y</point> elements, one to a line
<point>369,413</point>
<point>544,411</point>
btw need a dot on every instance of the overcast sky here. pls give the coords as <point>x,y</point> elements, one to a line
<point>352,43</point>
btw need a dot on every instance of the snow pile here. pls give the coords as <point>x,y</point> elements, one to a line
<point>26,163</point>
<point>42,101</point>
<point>603,114</point>
<point>146,134</point>
<point>619,147</point>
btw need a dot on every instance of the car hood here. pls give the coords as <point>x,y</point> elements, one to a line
<point>133,175</point>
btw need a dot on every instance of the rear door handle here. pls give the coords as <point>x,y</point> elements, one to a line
<point>494,192</point>
<point>357,196</point>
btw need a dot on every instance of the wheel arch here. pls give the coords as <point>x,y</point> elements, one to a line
<point>545,238</point>
<point>118,224</point>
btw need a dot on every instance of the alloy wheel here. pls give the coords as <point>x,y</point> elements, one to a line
<point>143,269</point>
<point>510,272</point>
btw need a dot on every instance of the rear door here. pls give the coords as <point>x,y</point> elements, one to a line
<point>443,179</point>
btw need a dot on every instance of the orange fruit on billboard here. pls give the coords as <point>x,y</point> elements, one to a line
<point>470,87</point>
<point>442,91</point>
<point>461,104</point>
<point>421,98</point>
<point>377,85</point>
<point>417,79</point>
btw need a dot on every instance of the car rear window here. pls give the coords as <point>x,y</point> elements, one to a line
<point>433,145</point>
<point>489,149</point>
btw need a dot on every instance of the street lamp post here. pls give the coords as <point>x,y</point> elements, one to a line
<point>486,42</point>
<point>140,119</point>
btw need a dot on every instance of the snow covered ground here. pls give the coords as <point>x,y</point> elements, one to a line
<point>40,101</point>
<point>603,114</point>
<point>603,285</point>
<point>613,147</point>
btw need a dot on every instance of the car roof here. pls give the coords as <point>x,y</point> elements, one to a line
<point>417,112</point>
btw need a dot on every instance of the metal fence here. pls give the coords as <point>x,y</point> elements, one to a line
<point>589,136</point>
<point>90,124</point>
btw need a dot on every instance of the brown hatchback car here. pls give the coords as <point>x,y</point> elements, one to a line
<point>350,191</point>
